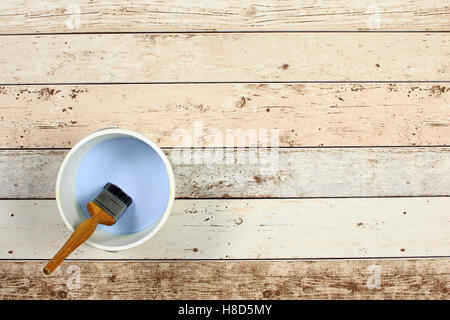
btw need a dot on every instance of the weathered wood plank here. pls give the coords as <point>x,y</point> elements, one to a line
<point>304,172</point>
<point>20,16</point>
<point>241,229</point>
<point>311,114</point>
<point>225,57</point>
<point>339,279</point>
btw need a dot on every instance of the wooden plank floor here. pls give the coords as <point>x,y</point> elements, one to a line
<point>358,94</point>
<point>311,114</point>
<point>224,57</point>
<point>298,173</point>
<point>341,279</point>
<point>252,229</point>
<point>19,16</point>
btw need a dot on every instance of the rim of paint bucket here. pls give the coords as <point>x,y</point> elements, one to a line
<point>115,130</point>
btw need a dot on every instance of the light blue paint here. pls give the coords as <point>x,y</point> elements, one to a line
<point>137,169</point>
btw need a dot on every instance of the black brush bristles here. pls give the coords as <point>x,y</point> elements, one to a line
<point>118,193</point>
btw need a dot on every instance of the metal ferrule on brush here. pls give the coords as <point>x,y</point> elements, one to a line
<point>110,203</point>
<point>105,209</point>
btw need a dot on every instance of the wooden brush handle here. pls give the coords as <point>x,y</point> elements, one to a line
<point>80,235</point>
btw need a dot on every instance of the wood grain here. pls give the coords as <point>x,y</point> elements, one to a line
<point>20,16</point>
<point>58,86</point>
<point>291,172</point>
<point>257,229</point>
<point>366,114</point>
<point>226,57</point>
<point>338,279</point>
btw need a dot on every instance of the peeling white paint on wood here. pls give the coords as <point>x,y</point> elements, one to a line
<point>304,172</point>
<point>240,229</point>
<point>332,114</point>
<point>226,57</point>
<point>31,16</point>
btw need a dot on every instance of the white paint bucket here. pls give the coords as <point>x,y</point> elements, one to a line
<point>69,206</point>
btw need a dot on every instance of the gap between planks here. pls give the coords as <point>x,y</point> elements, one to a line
<point>218,32</point>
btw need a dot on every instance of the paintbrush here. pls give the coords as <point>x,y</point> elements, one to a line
<point>105,209</point>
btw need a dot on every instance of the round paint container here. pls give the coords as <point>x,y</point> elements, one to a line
<point>132,162</point>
